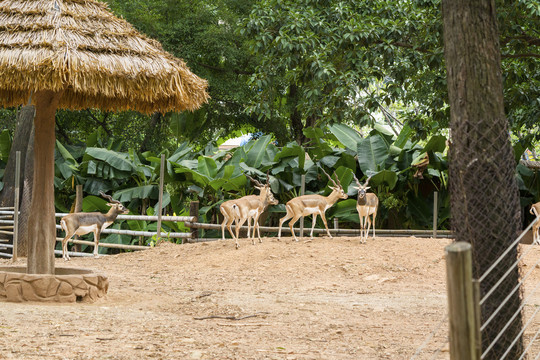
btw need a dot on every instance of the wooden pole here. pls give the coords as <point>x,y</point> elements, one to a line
<point>160,202</point>
<point>302,190</point>
<point>435,212</point>
<point>16,204</point>
<point>41,222</point>
<point>461,308</point>
<point>194,211</point>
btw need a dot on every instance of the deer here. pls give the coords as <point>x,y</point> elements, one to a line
<point>247,208</point>
<point>312,204</point>
<point>83,223</point>
<point>367,205</point>
<point>535,210</point>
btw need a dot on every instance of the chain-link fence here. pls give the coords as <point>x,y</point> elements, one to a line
<point>486,213</point>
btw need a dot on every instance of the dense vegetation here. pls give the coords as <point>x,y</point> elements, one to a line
<point>316,80</point>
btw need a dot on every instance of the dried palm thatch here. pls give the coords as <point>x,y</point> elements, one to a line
<point>96,59</point>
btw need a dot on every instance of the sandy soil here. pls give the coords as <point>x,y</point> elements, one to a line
<point>320,299</point>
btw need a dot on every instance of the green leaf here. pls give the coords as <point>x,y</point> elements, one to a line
<point>346,135</point>
<point>384,177</point>
<point>117,160</point>
<point>256,154</point>
<point>372,153</point>
<point>403,137</point>
<point>207,166</point>
<point>437,143</point>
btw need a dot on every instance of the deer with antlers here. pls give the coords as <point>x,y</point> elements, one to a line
<point>245,209</point>
<point>367,205</point>
<point>312,205</point>
<point>84,223</point>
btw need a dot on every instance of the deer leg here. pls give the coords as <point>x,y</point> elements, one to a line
<point>239,224</point>
<point>282,220</point>
<point>368,222</point>
<point>97,232</point>
<point>313,222</point>
<point>229,223</point>
<point>291,226</point>
<point>323,217</point>
<point>65,254</point>
<point>361,227</point>
<point>374,216</point>
<point>256,225</point>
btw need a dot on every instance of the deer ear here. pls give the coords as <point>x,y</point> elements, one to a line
<point>369,187</point>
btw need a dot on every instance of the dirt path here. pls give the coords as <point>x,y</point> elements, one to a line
<point>320,299</point>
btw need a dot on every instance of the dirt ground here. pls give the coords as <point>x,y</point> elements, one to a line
<point>320,299</point>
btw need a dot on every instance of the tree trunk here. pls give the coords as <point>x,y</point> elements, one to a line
<point>25,123</point>
<point>26,202</point>
<point>41,229</point>
<point>153,131</point>
<point>484,194</point>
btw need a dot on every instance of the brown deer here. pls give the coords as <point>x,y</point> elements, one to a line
<point>535,210</point>
<point>247,208</point>
<point>312,205</point>
<point>367,205</point>
<point>83,223</point>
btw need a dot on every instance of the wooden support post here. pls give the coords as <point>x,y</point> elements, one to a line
<point>461,308</point>
<point>435,212</point>
<point>302,190</point>
<point>160,201</point>
<point>194,211</point>
<point>336,224</point>
<point>16,204</point>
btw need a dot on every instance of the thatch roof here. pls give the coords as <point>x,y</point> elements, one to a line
<point>97,59</point>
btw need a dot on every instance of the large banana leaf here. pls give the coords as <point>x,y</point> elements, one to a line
<point>115,159</point>
<point>292,149</point>
<point>139,192</point>
<point>257,151</point>
<point>384,177</point>
<point>346,135</point>
<point>436,143</point>
<point>207,166</point>
<point>372,153</point>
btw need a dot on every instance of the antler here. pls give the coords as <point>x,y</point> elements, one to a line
<point>367,181</point>
<point>108,197</point>
<point>256,182</point>
<point>336,185</point>
<point>357,181</point>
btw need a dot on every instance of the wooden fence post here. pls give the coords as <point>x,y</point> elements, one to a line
<point>461,307</point>
<point>435,212</point>
<point>16,205</point>
<point>302,191</point>
<point>160,201</point>
<point>194,211</point>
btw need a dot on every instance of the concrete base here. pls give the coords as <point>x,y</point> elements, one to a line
<point>67,285</point>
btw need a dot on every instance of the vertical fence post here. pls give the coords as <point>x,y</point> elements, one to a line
<point>160,201</point>
<point>461,308</point>
<point>16,204</point>
<point>194,211</point>
<point>302,190</point>
<point>435,212</point>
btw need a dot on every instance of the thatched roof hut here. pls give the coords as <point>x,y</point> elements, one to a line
<point>97,59</point>
<point>75,54</point>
